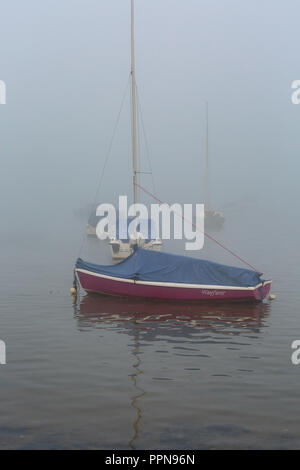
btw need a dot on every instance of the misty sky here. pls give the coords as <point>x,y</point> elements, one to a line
<point>66,65</point>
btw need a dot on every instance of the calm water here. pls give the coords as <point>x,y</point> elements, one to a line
<point>112,373</point>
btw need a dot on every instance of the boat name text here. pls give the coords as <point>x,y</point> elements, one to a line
<point>213,292</point>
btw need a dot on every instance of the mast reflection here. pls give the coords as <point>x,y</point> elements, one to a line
<point>147,321</point>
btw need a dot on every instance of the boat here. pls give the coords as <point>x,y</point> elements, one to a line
<point>159,275</point>
<point>212,219</point>
<point>152,274</point>
<point>122,248</point>
<point>92,224</point>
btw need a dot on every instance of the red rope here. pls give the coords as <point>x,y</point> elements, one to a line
<point>205,234</point>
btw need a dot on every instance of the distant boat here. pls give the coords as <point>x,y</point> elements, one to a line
<point>160,275</point>
<point>89,211</point>
<point>92,224</point>
<point>212,219</point>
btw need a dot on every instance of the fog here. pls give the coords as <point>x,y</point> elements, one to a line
<point>66,65</point>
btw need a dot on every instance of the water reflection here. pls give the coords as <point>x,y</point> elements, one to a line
<point>95,309</point>
<point>174,323</point>
<point>140,392</point>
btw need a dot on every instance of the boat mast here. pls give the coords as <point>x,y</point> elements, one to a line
<point>134,146</point>
<point>207,192</point>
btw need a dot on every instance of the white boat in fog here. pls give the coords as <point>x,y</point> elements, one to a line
<point>144,234</point>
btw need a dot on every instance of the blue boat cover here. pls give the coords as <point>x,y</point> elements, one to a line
<point>147,265</point>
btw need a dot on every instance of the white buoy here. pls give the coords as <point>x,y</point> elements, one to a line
<point>272,297</point>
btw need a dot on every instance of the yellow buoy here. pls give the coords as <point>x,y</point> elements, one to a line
<point>272,297</point>
<point>73,291</point>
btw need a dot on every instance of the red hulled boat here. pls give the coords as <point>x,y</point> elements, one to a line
<point>159,275</point>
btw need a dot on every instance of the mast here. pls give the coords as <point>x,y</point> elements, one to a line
<point>134,146</point>
<point>207,192</point>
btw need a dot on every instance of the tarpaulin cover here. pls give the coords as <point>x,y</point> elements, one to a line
<point>147,265</point>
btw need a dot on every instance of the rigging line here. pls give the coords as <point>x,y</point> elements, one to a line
<point>206,234</point>
<point>106,158</point>
<point>145,137</point>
